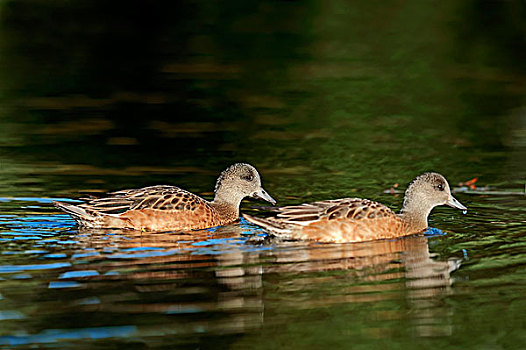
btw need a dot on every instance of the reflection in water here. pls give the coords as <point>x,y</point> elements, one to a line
<point>212,281</point>
<point>375,271</point>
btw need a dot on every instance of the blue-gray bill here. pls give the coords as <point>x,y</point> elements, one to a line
<point>262,194</point>
<point>453,202</point>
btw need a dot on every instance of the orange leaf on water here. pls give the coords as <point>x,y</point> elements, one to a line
<point>471,182</point>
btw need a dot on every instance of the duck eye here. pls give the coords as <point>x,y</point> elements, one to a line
<point>248,178</point>
<point>440,187</point>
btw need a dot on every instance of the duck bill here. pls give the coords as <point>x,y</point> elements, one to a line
<point>453,202</point>
<point>262,194</point>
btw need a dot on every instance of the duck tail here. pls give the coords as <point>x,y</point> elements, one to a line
<point>81,215</point>
<point>270,225</point>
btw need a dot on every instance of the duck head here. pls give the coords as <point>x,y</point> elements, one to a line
<point>239,181</point>
<point>426,192</point>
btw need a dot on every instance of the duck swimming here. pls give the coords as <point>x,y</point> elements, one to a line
<point>356,220</point>
<point>170,208</point>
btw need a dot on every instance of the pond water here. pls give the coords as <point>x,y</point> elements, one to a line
<point>328,100</point>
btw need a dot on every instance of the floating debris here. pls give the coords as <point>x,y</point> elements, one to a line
<point>469,183</point>
<point>486,191</point>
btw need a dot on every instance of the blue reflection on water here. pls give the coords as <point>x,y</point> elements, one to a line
<point>56,285</point>
<point>35,251</point>
<point>36,222</point>
<point>78,274</point>
<point>431,231</point>
<point>11,315</point>
<point>84,255</point>
<point>56,256</point>
<point>55,335</point>
<point>22,268</point>
<point>23,276</point>
<point>38,199</point>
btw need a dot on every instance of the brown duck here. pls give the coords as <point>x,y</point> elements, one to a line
<point>356,220</point>
<point>170,208</point>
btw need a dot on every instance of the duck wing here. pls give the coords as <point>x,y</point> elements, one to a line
<point>153,197</point>
<point>345,208</point>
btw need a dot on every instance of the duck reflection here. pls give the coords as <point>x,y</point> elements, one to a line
<point>213,281</point>
<point>371,272</point>
<point>166,283</point>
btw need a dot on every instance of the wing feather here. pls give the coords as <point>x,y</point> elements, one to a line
<point>349,208</point>
<point>153,197</point>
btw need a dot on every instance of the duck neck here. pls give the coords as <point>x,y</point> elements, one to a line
<point>414,213</point>
<point>226,205</point>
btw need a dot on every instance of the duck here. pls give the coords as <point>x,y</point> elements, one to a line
<point>348,220</point>
<point>164,208</point>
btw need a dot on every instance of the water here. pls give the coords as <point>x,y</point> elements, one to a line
<point>327,100</point>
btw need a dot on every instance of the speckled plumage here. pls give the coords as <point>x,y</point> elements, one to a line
<point>356,220</point>
<point>170,208</point>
